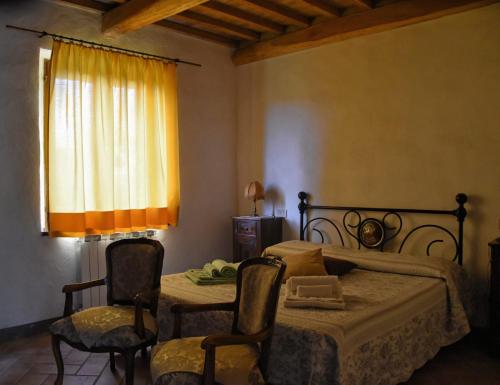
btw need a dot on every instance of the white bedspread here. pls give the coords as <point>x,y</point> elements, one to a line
<point>355,329</point>
<point>399,311</point>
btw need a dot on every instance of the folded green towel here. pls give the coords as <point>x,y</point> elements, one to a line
<point>225,269</point>
<point>202,277</point>
<point>211,270</point>
<point>215,273</point>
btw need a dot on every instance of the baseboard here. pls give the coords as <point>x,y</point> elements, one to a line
<point>26,330</point>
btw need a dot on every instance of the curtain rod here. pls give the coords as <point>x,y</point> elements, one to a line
<point>53,35</point>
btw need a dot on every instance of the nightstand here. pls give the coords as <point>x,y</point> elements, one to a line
<point>495,297</point>
<point>251,235</point>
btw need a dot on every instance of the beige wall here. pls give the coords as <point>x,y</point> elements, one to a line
<point>407,117</point>
<point>34,268</point>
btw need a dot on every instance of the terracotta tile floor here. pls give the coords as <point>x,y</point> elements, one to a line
<point>29,362</point>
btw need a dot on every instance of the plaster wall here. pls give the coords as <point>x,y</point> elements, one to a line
<point>403,118</point>
<point>34,268</point>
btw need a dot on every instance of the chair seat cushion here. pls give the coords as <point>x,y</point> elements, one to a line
<point>105,326</point>
<point>181,362</point>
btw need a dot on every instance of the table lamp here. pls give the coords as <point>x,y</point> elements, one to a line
<point>254,191</point>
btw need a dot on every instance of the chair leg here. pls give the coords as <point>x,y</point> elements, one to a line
<point>209,368</point>
<point>112,365</point>
<point>144,353</point>
<point>129,367</point>
<point>56,350</point>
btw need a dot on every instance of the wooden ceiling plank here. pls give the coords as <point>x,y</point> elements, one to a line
<point>240,14</point>
<point>135,14</point>
<point>324,6</point>
<point>94,5</point>
<point>293,16</point>
<point>88,4</point>
<point>363,4</point>
<point>198,32</point>
<point>393,15</point>
<point>242,32</point>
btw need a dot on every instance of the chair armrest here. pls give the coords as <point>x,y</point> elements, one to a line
<point>235,339</point>
<point>210,343</point>
<point>83,285</point>
<point>69,289</point>
<point>179,308</point>
<point>139,300</point>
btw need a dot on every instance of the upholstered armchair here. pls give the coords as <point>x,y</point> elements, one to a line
<point>127,324</point>
<point>238,358</point>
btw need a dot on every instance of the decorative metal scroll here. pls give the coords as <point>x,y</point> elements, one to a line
<point>374,233</point>
<point>431,243</point>
<point>312,221</point>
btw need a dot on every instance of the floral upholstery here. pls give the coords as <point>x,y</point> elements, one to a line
<point>181,362</point>
<point>180,378</point>
<point>133,267</point>
<point>104,326</point>
<point>257,281</point>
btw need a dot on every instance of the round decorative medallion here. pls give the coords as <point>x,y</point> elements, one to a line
<point>371,233</point>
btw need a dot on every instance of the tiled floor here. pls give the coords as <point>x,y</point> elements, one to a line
<point>464,363</point>
<point>30,362</point>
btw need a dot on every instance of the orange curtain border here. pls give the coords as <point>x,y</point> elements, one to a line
<point>109,222</point>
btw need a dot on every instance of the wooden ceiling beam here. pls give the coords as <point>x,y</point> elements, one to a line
<point>242,15</point>
<point>97,6</point>
<point>293,16</point>
<point>244,33</point>
<point>324,6</point>
<point>135,14</point>
<point>393,15</point>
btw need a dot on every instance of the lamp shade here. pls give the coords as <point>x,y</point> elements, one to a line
<point>254,191</point>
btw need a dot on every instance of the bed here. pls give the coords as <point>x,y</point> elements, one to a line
<point>400,309</point>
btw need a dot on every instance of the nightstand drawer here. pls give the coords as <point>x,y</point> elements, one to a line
<point>246,228</point>
<point>251,235</point>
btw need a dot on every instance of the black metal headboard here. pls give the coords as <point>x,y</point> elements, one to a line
<point>375,233</point>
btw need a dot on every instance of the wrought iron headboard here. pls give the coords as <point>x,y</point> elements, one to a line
<point>375,233</point>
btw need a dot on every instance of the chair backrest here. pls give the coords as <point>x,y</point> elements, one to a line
<point>134,266</point>
<point>257,293</point>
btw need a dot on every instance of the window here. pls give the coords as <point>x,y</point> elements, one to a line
<point>110,141</point>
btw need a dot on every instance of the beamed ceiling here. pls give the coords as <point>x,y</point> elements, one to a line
<point>261,29</point>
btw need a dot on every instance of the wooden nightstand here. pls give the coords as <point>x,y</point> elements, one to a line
<point>251,235</point>
<point>495,297</point>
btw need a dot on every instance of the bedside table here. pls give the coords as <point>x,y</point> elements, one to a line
<point>251,235</point>
<point>495,297</point>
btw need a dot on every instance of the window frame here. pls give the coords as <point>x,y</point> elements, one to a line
<point>43,115</point>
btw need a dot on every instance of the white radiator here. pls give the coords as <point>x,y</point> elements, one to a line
<point>93,266</point>
<point>92,250</point>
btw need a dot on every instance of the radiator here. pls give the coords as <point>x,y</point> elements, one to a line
<point>92,250</point>
<point>93,266</point>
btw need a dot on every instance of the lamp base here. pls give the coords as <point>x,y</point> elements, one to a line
<point>255,208</point>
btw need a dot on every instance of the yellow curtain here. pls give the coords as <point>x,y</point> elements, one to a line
<point>112,142</point>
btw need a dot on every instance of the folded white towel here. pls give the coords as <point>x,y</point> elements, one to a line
<point>330,280</point>
<point>314,291</point>
<point>331,303</point>
<point>319,291</point>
